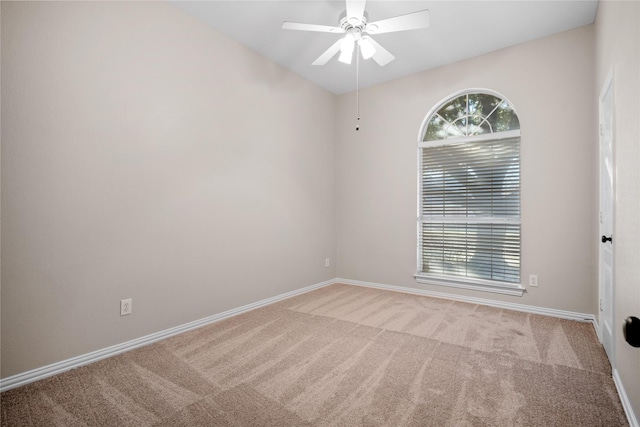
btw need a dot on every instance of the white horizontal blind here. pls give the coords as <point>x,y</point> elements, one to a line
<point>470,208</point>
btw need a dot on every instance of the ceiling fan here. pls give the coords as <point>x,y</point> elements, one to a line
<point>355,25</point>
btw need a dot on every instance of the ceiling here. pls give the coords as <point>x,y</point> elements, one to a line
<point>458,30</point>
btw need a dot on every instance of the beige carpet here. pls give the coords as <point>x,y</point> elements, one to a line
<point>343,355</point>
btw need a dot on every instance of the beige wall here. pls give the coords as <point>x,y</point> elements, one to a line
<point>550,83</point>
<point>146,156</point>
<point>618,49</point>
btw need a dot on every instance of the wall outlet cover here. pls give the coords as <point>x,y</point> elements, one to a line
<point>126,307</point>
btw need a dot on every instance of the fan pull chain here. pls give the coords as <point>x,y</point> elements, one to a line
<point>358,86</point>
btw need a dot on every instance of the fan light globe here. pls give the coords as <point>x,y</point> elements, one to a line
<point>366,47</point>
<point>345,56</point>
<point>346,48</point>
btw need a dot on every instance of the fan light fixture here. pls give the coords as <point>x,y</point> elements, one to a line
<point>347,46</point>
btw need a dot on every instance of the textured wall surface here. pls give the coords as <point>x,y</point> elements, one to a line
<point>550,83</point>
<point>146,156</point>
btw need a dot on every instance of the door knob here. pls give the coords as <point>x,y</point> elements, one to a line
<point>605,239</point>
<point>631,331</point>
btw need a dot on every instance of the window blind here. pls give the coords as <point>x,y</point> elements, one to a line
<point>470,209</point>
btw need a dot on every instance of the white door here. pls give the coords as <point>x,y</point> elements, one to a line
<point>606,238</point>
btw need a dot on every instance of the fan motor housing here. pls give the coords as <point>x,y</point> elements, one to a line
<point>346,24</point>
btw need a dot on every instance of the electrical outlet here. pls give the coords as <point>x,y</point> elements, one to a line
<point>327,262</point>
<point>126,307</point>
<point>533,280</point>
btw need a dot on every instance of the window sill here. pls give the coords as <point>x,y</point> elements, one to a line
<point>485,286</point>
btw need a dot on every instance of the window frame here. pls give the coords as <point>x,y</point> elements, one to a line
<point>462,282</point>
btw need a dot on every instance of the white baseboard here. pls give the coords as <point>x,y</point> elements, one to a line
<point>582,317</point>
<point>626,404</point>
<point>596,326</point>
<point>85,359</point>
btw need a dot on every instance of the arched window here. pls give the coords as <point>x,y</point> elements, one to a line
<point>469,194</point>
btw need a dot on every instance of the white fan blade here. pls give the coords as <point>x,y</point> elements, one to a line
<point>411,21</point>
<point>382,55</point>
<point>355,9</point>
<point>310,27</point>
<point>328,54</point>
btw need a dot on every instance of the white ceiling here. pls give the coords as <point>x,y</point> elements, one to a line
<point>458,30</point>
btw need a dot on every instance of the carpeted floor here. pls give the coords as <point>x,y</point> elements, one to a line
<point>343,355</point>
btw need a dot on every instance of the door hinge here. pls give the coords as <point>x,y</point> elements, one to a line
<point>601,304</point>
